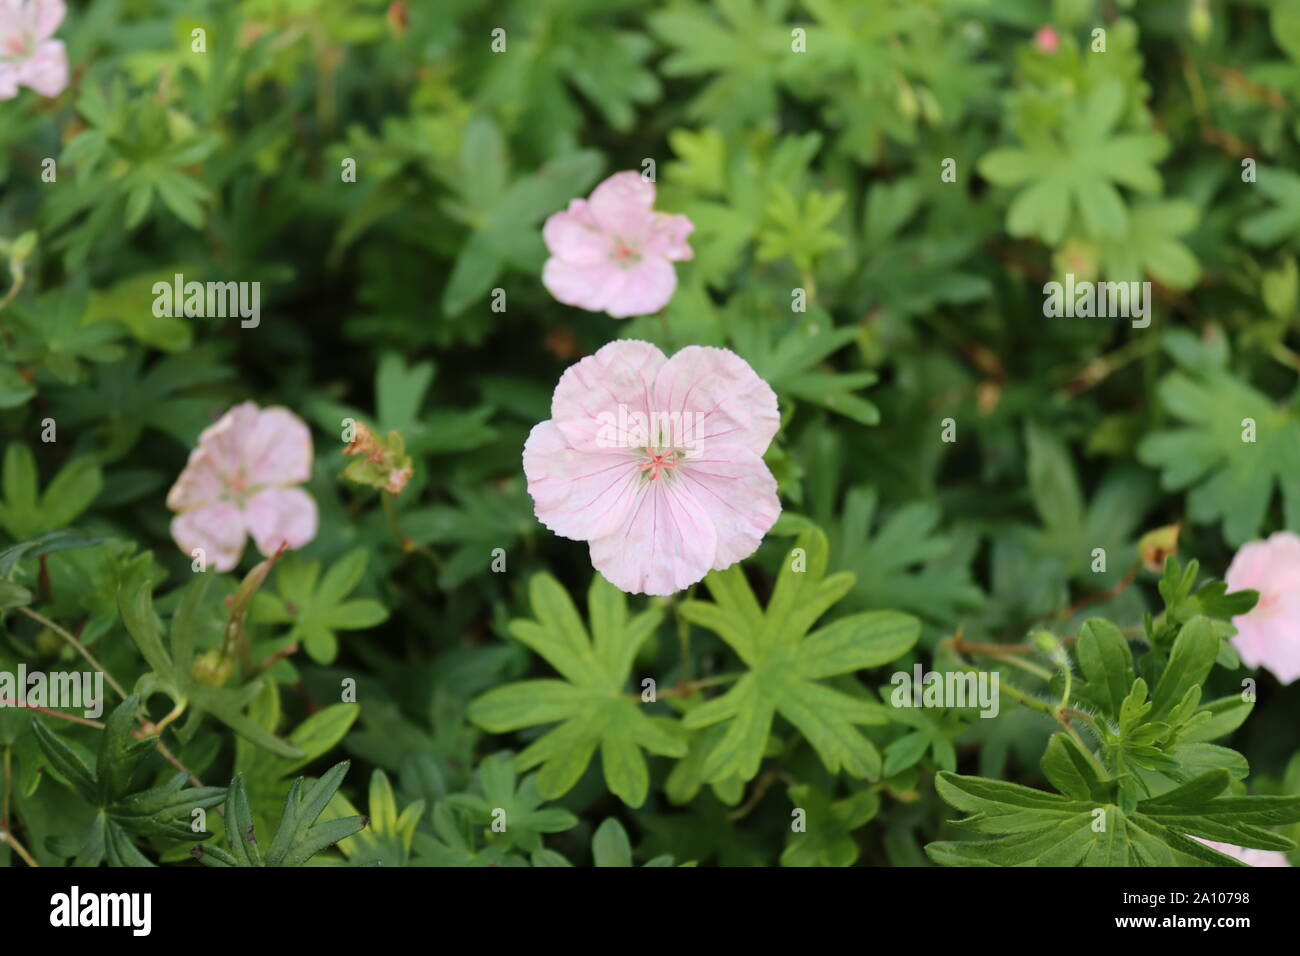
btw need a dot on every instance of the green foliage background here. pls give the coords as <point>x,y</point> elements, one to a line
<point>818,171</point>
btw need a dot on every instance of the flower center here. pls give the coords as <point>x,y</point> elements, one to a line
<point>15,46</point>
<point>660,463</point>
<point>624,253</point>
<point>239,488</point>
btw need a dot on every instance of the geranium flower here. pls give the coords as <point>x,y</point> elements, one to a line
<point>29,56</point>
<point>1248,856</point>
<point>657,463</point>
<point>613,253</point>
<point>240,481</point>
<point>1269,635</point>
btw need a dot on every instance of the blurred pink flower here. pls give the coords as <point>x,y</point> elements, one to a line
<point>239,481</point>
<point>1248,856</point>
<point>28,54</point>
<point>1269,635</point>
<point>1046,40</point>
<point>613,253</point>
<point>657,463</point>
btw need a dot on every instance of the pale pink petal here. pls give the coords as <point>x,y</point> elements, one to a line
<point>666,543</point>
<point>641,289</point>
<point>1271,643</point>
<point>8,81</point>
<point>579,495</point>
<point>622,204</point>
<point>590,391</point>
<point>573,236</point>
<point>277,449</point>
<point>47,71</point>
<point>280,516</point>
<point>13,22</point>
<point>738,494</point>
<point>1269,635</point>
<point>1246,855</point>
<point>217,528</point>
<point>199,483</point>
<point>736,405</point>
<point>587,287</point>
<point>224,440</point>
<point>46,15</point>
<point>667,237</point>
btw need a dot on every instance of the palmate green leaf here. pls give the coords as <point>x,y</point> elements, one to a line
<point>743,44</point>
<point>1073,174</point>
<point>122,814</point>
<point>591,702</point>
<point>455,842</point>
<point>827,837</point>
<point>26,511</point>
<point>316,607</point>
<point>792,363</point>
<point>556,48</point>
<point>500,213</point>
<point>1231,479</point>
<point>911,269</point>
<point>784,664</point>
<point>799,227</point>
<point>124,398</point>
<point>1071,528</point>
<point>511,809</point>
<point>897,560</point>
<point>1027,827</point>
<point>480,520</point>
<point>388,839</point>
<point>299,836</point>
<point>53,334</point>
<point>1151,245</point>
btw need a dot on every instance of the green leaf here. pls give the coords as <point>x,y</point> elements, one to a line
<point>827,835</point>
<point>1231,477</point>
<point>784,663</point>
<point>163,811</point>
<point>513,813</point>
<point>1034,828</point>
<point>590,703</point>
<point>24,513</point>
<point>317,612</point>
<point>610,846</point>
<point>1073,173</point>
<point>297,839</point>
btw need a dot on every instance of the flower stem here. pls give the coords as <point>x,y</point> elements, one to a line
<point>81,649</point>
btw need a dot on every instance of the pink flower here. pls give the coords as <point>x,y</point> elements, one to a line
<point>1269,635</point>
<point>1046,40</point>
<point>1247,856</point>
<point>239,481</point>
<point>613,253</point>
<point>657,463</point>
<point>28,55</point>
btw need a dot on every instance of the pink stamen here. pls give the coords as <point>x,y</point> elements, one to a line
<point>666,461</point>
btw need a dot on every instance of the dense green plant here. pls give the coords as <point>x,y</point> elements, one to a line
<point>970,487</point>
